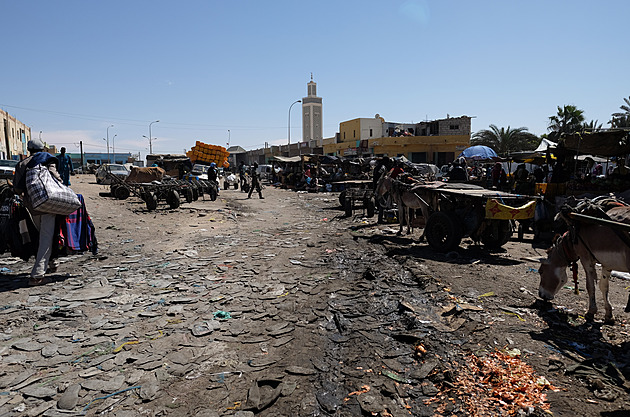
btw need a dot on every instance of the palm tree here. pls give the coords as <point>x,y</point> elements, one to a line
<point>568,120</point>
<point>621,119</point>
<point>592,126</point>
<point>504,141</point>
<point>620,122</point>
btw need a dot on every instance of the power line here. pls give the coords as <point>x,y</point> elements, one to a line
<point>135,122</point>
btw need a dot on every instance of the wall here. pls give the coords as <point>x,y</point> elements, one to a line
<point>406,145</point>
<point>14,136</point>
<point>350,131</point>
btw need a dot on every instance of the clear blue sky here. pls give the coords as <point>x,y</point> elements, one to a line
<point>71,68</point>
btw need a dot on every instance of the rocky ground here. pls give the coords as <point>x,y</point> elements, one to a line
<point>284,307</point>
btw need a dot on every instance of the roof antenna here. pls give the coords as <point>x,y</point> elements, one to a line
<point>311,76</point>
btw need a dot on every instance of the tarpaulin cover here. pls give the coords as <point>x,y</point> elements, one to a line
<point>478,152</point>
<point>607,143</point>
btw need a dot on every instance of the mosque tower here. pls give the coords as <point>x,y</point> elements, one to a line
<point>312,115</point>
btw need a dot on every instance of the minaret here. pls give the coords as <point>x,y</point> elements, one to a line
<point>312,128</point>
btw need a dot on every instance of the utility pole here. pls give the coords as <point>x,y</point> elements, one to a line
<point>82,156</point>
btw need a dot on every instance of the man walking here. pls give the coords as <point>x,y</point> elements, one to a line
<point>255,181</point>
<point>45,222</point>
<point>65,167</point>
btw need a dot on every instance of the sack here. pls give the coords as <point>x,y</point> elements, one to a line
<point>47,195</point>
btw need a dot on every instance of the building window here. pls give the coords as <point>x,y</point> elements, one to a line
<point>344,135</point>
<point>370,132</point>
<point>354,134</point>
<point>454,127</point>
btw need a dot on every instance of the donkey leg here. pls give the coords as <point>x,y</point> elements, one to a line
<point>603,287</point>
<point>401,220</point>
<point>591,278</point>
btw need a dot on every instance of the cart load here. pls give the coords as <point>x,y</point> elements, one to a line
<point>203,153</point>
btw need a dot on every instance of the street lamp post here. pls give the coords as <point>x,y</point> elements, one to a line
<point>108,158</point>
<point>289,132</point>
<point>105,140</point>
<point>228,144</point>
<point>150,144</point>
<point>113,148</point>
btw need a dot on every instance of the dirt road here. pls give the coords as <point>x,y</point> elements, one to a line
<point>284,307</point>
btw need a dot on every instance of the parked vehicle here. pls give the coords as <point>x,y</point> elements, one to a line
<point>7,168</point>
<point>120,171</point>
<point>200,171</point>
<point>230,180</point>
<point>265,172</point>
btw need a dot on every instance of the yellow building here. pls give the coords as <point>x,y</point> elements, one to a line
<point>436,141</point>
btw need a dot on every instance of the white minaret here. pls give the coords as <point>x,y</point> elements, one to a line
<point>312,128</point>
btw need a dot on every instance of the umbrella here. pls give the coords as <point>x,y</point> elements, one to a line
<point>478,152</point>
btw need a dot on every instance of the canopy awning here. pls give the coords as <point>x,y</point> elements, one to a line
<point>606,143</point>
<point>288,159</point>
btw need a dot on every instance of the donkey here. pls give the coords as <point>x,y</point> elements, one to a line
<point>406,197</point>
<point>590,244</point>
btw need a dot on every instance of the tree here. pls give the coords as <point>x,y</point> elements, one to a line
<point>621,119</point>
<point>620,122</point>
<point>592,126</point>
<point>504,141</point>
<point>568,120</point>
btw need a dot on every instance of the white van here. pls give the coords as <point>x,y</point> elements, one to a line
<point>264,172</point>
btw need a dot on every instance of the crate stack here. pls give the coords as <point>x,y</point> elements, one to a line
<point>202,153</point>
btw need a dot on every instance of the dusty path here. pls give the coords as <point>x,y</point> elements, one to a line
<point>282,307</point>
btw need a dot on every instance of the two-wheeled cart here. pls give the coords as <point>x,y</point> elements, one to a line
<point>168,190</point>
<point>458,210</point>
<point>357,194</point>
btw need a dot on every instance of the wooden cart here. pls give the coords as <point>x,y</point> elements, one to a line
<point>357,194</point>
<point>464,210</point>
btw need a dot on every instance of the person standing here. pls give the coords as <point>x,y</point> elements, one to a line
<point>45,222</point>
<point>242,170</point>
<point>255,181</point>
<point>65,166</point>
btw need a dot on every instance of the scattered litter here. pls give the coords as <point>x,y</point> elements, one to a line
<point>111,395</point>
<point>221,315</point>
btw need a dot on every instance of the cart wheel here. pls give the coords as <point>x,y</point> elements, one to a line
<point>342,198</point>
<point>369,205</point>
<point>152,201</point>
<point>236,185</point>
<point>122,193</point>
<point>172,198</point>
<point>496,234</point>
<point>189,195</point>
<point>442,232</point>
<point>226,185</point>
<point>195,194</point>
<point>213,192</point>
<point>347,206</point>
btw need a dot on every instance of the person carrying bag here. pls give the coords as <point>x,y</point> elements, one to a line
<point>45,196</point>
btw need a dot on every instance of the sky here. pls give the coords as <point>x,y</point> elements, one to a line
<point>219,71</point>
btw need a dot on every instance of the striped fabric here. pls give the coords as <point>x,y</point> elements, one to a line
<point>47,195</point>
